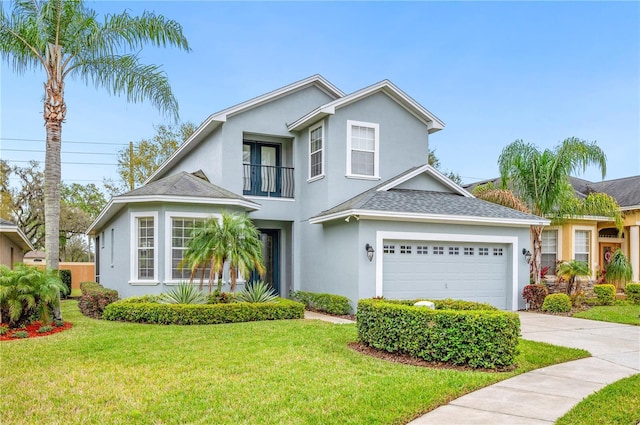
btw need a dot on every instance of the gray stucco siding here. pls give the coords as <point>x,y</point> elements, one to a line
<point>206,156</point>
<point>423,182</point>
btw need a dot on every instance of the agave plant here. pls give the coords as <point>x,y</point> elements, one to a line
<point>258,292</point>
<point>184,293</point>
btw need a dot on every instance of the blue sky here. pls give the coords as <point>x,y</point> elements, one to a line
<point>493,72</point>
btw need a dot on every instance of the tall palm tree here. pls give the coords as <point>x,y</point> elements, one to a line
<point>541,180</point>
<point>64,38</point>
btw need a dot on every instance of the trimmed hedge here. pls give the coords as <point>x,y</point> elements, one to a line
<point>65,277</point>
<point>202,314</point>
<point>330,303</point>
<point>447,304</point>
<point>95,298</point>
<point>557,303</point>
<point>534,295</point>
<point>633,292</point>
<point>606,294</point>
<point>480,338</point>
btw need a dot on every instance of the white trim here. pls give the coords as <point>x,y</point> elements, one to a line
<point>593,245</point>
<point>220,117</point>
<point>133,238</point>
<point>13,228</point>
<point>426,168</point>
<point>322,149</point>
<point>168,235</point>
<point>630,207</point>
<point>270,198</point>
<point>558,230</point>
<point>320,177</point>
<point>381,236</point>
<point>432,122</point>
<point>437,218</point>
<point>376,147</point>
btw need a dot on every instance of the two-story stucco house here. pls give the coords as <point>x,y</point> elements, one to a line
<point>336,185</point>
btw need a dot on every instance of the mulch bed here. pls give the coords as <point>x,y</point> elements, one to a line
<point>32,331</point>
<point>413,361</point>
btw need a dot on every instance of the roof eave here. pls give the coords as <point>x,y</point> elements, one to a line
<point>21,240</point>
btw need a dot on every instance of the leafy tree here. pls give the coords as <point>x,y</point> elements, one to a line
<point>570,271</point>
<point>619,269</point>
<point>65,39</point>
<point>137,162</point>
<point>540,179</point>
<point>433,160</point>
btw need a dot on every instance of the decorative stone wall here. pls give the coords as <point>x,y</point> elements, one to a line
<point>555,287</point>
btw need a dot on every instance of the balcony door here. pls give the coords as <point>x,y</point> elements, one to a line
<point>261,163</point>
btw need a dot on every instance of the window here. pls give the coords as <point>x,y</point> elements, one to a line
<point>389,249</point>
<point>454,250</point>
<point>362,149</point>
<point>497,252</point>
<point>483,251</point>
<point>423,250</point>
<point>113,243</point>
<point>468,251</point>
<point>582,245</point>
<point>549,252</point>
<point>181,231</point>
<point>438,250</point>
<point>405,249</point>
<point>316,151</point>
<point>143,247</point>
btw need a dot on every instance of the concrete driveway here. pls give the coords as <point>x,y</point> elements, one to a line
<point>544,395</point>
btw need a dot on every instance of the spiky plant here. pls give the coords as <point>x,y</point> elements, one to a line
<point>184,293</point>
<point>619,269</point>
<point>257,292</point>
<point>571,271</point>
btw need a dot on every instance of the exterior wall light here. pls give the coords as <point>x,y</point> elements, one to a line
<point>370,252</point>
<point>527,255</point>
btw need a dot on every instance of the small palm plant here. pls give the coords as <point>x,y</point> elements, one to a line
<point>257,292</point>
<point>571,271</point>
<point>184,293</point>
<point>619,269</point>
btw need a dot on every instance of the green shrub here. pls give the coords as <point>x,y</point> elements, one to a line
<point>633,292</point>
<point>58,322</point>
<point>65,277</point>
<point>257,292</point>
<point>605,294</point>
<point>184,293</point>
<point>202,314</point>
<point>44,329</point>
<point>95,298</point>
<point>446,304</point>
<point>330,303</point>
<point>557,303</point>
<point>20,334</point>
<point>477,338</point>
<point>4,329</point>
<point>148,298</point>
<point>534,295</point>
<point>219,297</point>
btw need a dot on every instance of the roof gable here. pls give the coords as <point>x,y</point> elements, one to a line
<point>432,122</point>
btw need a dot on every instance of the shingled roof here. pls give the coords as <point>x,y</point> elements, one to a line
<point>626,191</point>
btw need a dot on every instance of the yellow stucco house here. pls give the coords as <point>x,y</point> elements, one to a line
<point>594,239</point>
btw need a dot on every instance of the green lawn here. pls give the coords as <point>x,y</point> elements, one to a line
<point>277,372</point>
<point>618,403</point>
<point>627,314</point>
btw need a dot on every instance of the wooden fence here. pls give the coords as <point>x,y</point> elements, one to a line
<point>80,272</point>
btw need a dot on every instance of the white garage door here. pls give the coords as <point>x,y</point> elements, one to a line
<point>436,270</point>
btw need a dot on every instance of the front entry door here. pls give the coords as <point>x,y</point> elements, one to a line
<point>270,239</point>
<point>606,251</point>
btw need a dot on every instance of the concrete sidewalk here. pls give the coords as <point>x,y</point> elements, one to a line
<point>544,395</point>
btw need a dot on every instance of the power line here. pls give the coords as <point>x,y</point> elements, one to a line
<point>64,141</point>
<point>67,152</point>
<point>65,162</point>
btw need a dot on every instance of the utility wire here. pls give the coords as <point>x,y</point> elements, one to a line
<point>65,162</point>
<point>69,152</point>
<point>63,141</point>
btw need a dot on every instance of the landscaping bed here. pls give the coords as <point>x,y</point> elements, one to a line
<point>31,331</point>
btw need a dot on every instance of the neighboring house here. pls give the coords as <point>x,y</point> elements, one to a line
<point>37,258</point>
<point>594,239</point>
<point>335,185</point>
<point>13,243</point>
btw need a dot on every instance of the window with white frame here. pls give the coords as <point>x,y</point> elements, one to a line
<point>316,151</point>
<point>144,246</point>
<point>362,149</point>
<point>582,245</point>
<point>549,250</point>
<point>182,229</point>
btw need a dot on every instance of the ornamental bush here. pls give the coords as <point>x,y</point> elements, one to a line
<point>477,338</point>
<point>65,277</point>
<point>330,303</point>
<point>557,303</point>
<point>633,292</point>
<point>605,294</point>
<point>534,295</point>
<point>202,314</point>
<point>95,298</point>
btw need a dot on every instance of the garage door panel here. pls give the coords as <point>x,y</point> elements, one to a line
<point>436,270</point>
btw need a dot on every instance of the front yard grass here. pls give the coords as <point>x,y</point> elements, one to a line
<point>618,403</point>
<point>620,313</point>
<point>275,372</point>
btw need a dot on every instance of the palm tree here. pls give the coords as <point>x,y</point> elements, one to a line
<point>64,38</point>
<point>571,271</point>
<point>540,179</point>
<point>619,269</point>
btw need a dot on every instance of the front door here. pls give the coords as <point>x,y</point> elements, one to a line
<point>606,251</point>
<point>270,239</point>
<point>262,168</point>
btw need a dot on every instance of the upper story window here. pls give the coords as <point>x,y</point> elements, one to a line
<point>316,151</point>
<point>549,250</point>
<point>144,237</point>
<point>582,244</point>
<point>363,141</point>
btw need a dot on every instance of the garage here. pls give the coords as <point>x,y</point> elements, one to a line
<point>437,269</point>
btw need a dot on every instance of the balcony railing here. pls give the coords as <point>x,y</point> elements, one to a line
<point>268,180</point>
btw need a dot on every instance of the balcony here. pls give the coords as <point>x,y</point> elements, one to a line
<point>268,181</point>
